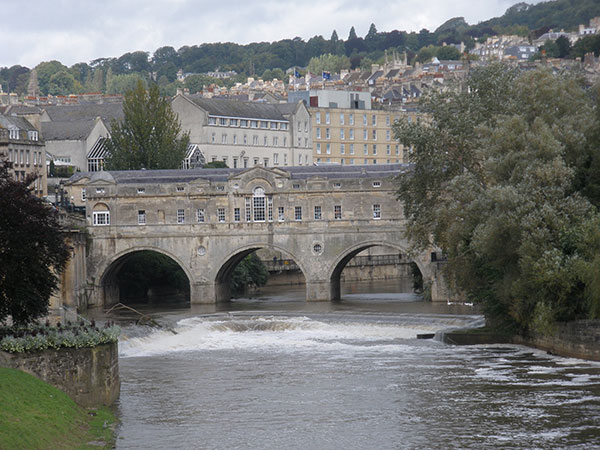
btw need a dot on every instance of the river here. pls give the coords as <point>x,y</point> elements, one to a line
<point>274,372</point>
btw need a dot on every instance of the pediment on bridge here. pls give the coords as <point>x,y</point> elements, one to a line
<point>101,178</point>
<point>270,174</point>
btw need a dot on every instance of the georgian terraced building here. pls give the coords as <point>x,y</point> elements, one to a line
<point>247,134</point>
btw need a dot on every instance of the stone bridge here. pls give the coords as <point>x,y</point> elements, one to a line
<point>208,220</point>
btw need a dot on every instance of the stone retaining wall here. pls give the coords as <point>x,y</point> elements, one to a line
<point>90,376</point>
<point>577,339</point>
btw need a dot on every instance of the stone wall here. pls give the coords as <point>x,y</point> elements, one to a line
<point>578,339</point>
<point>90,376</point>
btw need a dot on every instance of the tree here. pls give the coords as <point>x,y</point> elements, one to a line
<point>45,70</point>
<point>32,250</point>
<point>352,34</point>
<point>495,186</point>
<point>121,84</point>
<point>149,136</point>
<point>62,83</point>
<point>215,165</point>
<point>329,62</point>
<point>448,52</point>
<point>250,272</point>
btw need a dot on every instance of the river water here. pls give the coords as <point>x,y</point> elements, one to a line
<point>274,372</point>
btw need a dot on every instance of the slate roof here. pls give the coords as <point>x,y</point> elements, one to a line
<point>20,123</point>
<point>243,110</point>
<point>222,175</point>
<point>71,113</point>
<point>67,131</point>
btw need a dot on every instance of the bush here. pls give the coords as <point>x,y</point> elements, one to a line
<point>38,337</point>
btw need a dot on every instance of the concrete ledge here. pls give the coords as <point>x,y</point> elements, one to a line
<point>90,376</point>
<point>578,339</point>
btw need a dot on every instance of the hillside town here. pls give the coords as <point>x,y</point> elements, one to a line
<point>341,118</point>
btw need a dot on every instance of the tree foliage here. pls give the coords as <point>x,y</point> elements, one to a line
<point>249,272</point>
<point>32,250</point>
<point>149,136</point>
<point>501,183</point>
<point>328,62</point>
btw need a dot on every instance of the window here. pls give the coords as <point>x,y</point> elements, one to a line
<point>365,149</point>
<point>318,133</point>
<point>306,126</point>
<point>342,134</point>
<point>213,138</point>
<point>342,149</point>
<point>365,134</point>
<point>328,148</point>
<point>255,140</point>
<point>248,210</point>
<point>275,158</point>
<point>237,216</point>
<point>266,162</point>
<point>318,215</point>
<point>264,124</point>
<point>374,120</point>
<point>365,119</point>
<point>281,213</point>
<point>337,185</point>
<point>245,162</point>
<point>101,218</point>
<point>180,188</point>
<point>221,214</point>
<point>327,121</point>
<point>352,149</point>
<point>327,134</point>
<point>245,139</point>
<point>273,125</point>
<point>299,126</point>
<point>141,217</point>
<point>270,208</point>
<point>351,131</point>
<point>222,121</point>
<point>100,191</point>
<point>374,149</point>
<point>235,163</point>
<point>254,124</point>
<point>351,119</point>
<point>318,118</point>
<point>200,215</point>
<point>374,135</point>
<point>341,118</point>
<point>299,160</point>
<point>298,213</point>
<point>224,138</point>
<point>83,196</point>
<point>285,159</point>
<point>141,190</point>
<point>258,203</point>
<point>351,160</point>
<point>376,184</point>
<point>388,135</point>
<point>265,138</point>
<point>180,216</point>
<point>284,141</point>
<point>256,161</point>
<point>388,149</point>
<point>212,120</point>
<point>337,212</point>
<point>275,141</point>
<point>387,120</point>
<point>295,186</point>
<point>244,123</point>
<point>376,211</point>
<point>233,122</point>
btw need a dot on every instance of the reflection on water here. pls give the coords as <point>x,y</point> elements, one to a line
<point>274,372</point>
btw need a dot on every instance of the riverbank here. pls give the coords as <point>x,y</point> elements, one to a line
<point>578,339</point>
<point>35,415</point>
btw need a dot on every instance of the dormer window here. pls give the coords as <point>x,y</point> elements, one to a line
<point>180,188</point>
<point>100,191</point>
<point>141,190</point>
<point>376,184</point>
<point>13,134</point>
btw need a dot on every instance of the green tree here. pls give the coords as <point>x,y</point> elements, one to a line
<point>149,136</point>
<point>215,165</point>
<point>249,272</point>
<point>328,62</point>
<point>45,70</point>
<point>495,186</point>
<point>448,52</point>
<point>33,252</point>
<point>62,83</point>
<point>121,84</point>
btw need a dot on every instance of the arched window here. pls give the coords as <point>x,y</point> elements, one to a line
<point>101,215</point>
<point>258,204</point>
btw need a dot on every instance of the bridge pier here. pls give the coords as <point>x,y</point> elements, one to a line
<point>203,293</point>
<point>322,291</point>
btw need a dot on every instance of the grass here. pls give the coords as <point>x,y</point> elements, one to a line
<point>35,415</point>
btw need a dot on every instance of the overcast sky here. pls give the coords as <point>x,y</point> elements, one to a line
<point>74,31</point>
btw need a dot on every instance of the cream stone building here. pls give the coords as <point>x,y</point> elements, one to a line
<point>20,144</point>
<point>356,136</point>
<point>247,134</point>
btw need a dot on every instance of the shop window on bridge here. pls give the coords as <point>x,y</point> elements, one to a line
<point>221,214</point>
<point>200,215</point>
<point>101,215</point>
<point>237,217</point>
<point>141,217</point>
<point>180,216</point>
<point>318,214</point>
<point>298,213</point>
<point>281,214</point>
<point>258,204</point>
<point>337,212</point>
<point>376,211</point>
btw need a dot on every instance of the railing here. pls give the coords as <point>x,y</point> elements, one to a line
<point>278,265</point>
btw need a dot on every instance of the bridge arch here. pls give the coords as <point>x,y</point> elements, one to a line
<point>108,281</point>
<point>228,264</point>
<point>336,268</point>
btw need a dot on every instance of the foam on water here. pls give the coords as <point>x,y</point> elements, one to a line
<point>276,333</point>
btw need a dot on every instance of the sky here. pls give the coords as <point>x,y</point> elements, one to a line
<point>73,31</point>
